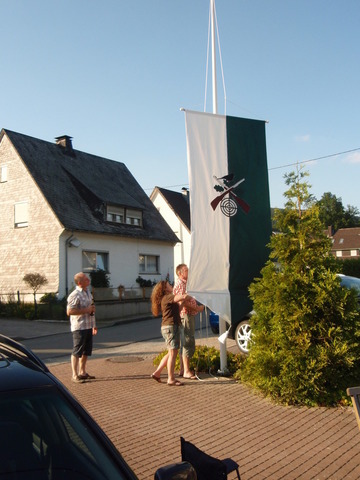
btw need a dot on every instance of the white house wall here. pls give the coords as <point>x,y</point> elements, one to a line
<point>181,249</point>
<point>123,258</point>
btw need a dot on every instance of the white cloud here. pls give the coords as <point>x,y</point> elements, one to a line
<point>353,157</point>
<point>303,138</point>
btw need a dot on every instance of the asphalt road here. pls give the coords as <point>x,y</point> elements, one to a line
<point>110,340</point>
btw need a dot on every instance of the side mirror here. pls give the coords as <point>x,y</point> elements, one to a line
<point>176,471</point>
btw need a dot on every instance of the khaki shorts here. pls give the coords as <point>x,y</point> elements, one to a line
<point>188,323</point>
<point>171,335</point>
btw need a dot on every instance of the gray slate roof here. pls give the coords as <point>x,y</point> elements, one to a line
<point>77,188</point>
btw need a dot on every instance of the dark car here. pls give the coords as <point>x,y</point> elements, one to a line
<point>240,331</point>
<point>45,433</point>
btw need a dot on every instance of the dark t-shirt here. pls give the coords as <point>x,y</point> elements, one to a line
<point>170,311</point>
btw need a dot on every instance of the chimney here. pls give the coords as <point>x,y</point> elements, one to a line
<point>66,145</point>
<point>185,192</point>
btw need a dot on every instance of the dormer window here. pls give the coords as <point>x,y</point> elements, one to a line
<point>115,214</point>
<point>133,217</point>
<point>129,216</point>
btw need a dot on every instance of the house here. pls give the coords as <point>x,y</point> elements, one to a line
<point>175,208</point>
<point>346,243</point>
<point>64,211</point>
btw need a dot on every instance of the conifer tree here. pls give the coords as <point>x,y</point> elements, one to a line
<point>306,332</point>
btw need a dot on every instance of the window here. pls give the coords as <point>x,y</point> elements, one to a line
<point>95,261</point>
<point>115,214</point>
<point>3,174</point>
<point>129,216</point>
<point>133,217</point>
<point>21,214</point>
<point>149,263</point>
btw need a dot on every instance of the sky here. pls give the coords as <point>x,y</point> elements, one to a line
<point>114,74</point>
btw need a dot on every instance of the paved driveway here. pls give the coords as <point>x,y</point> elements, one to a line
<point>145,420</point>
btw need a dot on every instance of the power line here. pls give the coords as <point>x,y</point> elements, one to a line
<point>313,159</point>
<point>282,166</point>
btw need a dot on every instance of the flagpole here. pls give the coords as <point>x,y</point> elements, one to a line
<point>222,324</point>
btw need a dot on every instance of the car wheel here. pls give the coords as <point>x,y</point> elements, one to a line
<point>243,336</point>
<point>214,330</point>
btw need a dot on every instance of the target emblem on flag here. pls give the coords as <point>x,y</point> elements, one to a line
<point>228,207</point>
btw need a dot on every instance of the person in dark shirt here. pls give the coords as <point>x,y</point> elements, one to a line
<point>164,302</point>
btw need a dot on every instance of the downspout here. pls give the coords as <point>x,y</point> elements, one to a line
<point>67,241</point>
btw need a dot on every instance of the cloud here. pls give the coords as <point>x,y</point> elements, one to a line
<point>353,157</point>
<point>302,138</point>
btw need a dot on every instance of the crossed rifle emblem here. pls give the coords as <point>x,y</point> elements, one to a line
<point>228,204</point>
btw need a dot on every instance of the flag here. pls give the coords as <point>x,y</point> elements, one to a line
<point>229,209</point>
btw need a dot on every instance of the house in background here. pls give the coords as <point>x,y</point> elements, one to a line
<point>346,243</point>
<point>175,208</point>
<point>65,211</point>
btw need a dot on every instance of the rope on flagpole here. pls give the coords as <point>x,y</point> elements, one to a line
<point>207,59</point>
<point>221,64</point>
<point>207,356</point>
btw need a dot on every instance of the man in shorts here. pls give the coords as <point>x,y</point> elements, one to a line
<point>187,314</point>
<point>81,310</point>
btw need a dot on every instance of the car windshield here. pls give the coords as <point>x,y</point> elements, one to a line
<point>350,282</point>
<point>43,437</point>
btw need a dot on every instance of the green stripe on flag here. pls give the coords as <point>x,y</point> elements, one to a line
<point>249,232</point>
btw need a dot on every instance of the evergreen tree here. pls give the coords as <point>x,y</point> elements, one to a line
<point>305,347</point>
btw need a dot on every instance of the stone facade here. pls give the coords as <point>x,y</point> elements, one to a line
<point>32,248</point>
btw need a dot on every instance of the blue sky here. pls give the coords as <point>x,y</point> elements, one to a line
<point>113,74</point>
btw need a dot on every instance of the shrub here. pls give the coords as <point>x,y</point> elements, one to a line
<point>206,359</point>
<point>145,283</point>
<point>306,331</point>
<point>350,267</point>
<point>99,279</point>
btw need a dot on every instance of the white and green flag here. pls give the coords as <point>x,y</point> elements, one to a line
<point>229,208</point>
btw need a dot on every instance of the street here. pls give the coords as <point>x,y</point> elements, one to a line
<point>127,337</point>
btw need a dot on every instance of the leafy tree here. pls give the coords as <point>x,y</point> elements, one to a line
<point>351,217</point>
<point>332,213</point>
<point>35,281</point>
<point>306,331</point>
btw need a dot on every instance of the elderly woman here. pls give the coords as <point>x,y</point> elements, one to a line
<point>165,302</point>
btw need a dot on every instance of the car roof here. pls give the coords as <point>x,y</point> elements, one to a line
<point>349,282</point>
<point>20,368</point>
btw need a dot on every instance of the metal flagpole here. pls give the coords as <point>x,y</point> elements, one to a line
<point>222,325</point>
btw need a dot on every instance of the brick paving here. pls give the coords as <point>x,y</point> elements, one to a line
<point>145,420</point>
